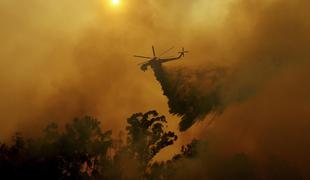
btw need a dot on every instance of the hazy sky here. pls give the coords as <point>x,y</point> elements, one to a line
<point>66,58</point>
<point>61,59</point>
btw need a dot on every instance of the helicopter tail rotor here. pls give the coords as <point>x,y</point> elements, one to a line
<point>183,52</point>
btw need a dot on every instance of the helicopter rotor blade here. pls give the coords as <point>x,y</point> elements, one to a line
<point>145,57</point>
<point>154,54</point>
<point>166,51</point>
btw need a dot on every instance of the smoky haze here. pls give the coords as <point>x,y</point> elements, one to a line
<point>63,59</point>
<point>259,43</point>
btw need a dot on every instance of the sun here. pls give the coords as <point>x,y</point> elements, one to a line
<point>115,2</point>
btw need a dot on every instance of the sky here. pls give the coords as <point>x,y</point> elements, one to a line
<point>68,58</point>
<point>62,59</point>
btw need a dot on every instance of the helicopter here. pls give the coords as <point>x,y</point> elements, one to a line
<point>158,60</point>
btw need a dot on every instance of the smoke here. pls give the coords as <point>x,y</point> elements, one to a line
<point>270,37</point>
<point>194,93</point>
<point>64,59</point>
<point>191,94</point>
<point>68,58</point>
<point>268,132</point>
<point>265,92</point>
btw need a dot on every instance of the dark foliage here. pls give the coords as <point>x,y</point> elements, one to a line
<point>145,138</point>
<point>74,153</point>
<point>83,151</point>
<point>146,135</point>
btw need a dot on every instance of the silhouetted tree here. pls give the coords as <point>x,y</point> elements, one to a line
<point>81,150</point>
<point>145,138</point>
<point>146,135</point>
<point>166,170</point>
<point>82,146</point>
<point>72,154</point>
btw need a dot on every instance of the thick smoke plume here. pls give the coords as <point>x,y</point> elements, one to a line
<point>186,97</point>
<point>194,93</point>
